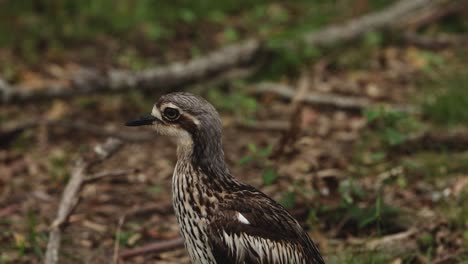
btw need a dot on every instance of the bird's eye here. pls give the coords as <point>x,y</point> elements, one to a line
<point>171,113</point>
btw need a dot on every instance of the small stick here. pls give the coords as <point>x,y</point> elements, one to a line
<point>12,129</point>
<point>70,196</point>
<point>114,173</point>
<point>157,247</point>
<point>295,123</point>
<point>115,258</point>
<point>161,209</point>
<point>8,210</point>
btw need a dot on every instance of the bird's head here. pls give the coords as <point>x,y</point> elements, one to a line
<point>189,118</point>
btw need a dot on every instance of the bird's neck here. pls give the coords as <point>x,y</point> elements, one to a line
<point>204,151</point>
<point>205,155</point>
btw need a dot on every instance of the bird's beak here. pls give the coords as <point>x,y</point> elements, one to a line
<point>144,120</point>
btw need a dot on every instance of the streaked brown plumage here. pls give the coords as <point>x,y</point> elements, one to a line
<point>222,220</point>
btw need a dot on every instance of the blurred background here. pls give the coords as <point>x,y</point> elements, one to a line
<point>352,114</point>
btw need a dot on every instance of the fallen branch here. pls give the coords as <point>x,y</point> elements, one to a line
<point>392,16</point>
<point>435,139</point>
<point>11,130</point>
<point>156,247</point>
<point>430,13</point>
<point>435,42</point>
<point>71,192</point>
<point>166,78</point>
<point>396,244</point>
<point>327,100</point>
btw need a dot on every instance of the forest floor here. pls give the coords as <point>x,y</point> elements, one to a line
<point>371,185</point>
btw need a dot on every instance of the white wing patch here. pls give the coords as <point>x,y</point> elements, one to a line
<point>267,251</point>
<point>242,219</point>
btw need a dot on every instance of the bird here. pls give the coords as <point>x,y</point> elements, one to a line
<point>221,219</point>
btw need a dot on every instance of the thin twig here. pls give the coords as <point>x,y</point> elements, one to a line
<point>156,247</point>
<point>398,244</point>
<point>290,136</point>
<point>115,256</point>
<point>71,192</point>
<point>113,173</point>
<point>161,209</point>
<point>8,210</point>
<point>11,130</point>
<point>434,139</point>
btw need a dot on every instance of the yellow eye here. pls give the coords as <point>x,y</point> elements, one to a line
<point>171,113</point>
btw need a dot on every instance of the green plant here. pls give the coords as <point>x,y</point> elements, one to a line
<point>448,105</point>
<point>231,34</point>
<point>238,102</point>
<point>360,214</point>
<point>33,237</point>
<point>435,166</point>
<point>57,165</point>
<point>390,127</point>
<point>155,189</point>
<point>288,200</point>
<point>312,219</point>
<point>269,174</point>
<point>255,153</point>
<point>426,242</point>
<point>350,191</point>
<point>123,237</point>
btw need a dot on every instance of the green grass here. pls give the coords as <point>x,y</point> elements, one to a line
<point>435,165</point>
<point>456,211</point>
<point>50,27</point>
<point>236,102</point>
<point>448,105</point>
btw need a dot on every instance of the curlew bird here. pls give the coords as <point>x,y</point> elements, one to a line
<point>222,220</point>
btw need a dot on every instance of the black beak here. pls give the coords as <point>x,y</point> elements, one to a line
<point>144,120</point>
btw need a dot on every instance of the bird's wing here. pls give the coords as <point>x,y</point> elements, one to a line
<point>259,230</point>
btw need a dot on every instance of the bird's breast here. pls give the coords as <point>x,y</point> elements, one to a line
<point>189,201</point>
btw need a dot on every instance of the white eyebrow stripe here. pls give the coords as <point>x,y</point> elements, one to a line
<point>169,104</point>
<point>242,219</point>
<point>155,112</point>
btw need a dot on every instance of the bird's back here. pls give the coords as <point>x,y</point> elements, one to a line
<point>250,227</point>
